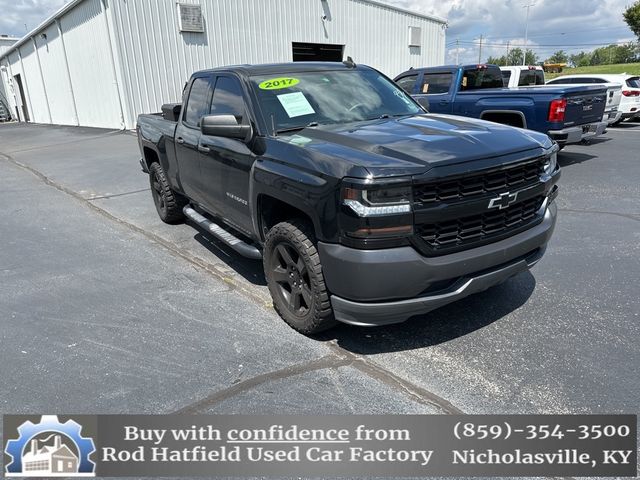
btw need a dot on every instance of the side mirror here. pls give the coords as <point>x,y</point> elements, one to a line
<point>171,111</point>
<point>224,126</point>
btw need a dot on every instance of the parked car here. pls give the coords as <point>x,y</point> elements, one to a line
<point>522,76</point>
<point>566,113</point>
<point>363,208</point>
<point>623,100</point>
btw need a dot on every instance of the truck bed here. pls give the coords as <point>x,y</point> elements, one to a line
<point>577,97</point>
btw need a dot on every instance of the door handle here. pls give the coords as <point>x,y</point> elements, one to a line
<point>444,102</point>
<point>180,140</point>
<point>203,149</point>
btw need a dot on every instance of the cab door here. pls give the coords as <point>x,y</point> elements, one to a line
<point>225,163</point>
<point>435,90</point>
<point>187,136</point>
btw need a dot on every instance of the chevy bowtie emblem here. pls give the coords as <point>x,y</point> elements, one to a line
<point>503,201</point>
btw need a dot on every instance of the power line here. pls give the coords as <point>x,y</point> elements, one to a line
<point>550,34</point>
<point>579,31</point>
<point>488,44</point>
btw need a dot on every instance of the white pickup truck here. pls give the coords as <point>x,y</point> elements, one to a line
<point>522,76</point>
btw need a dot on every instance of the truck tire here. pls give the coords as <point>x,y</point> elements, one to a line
<point>294,276</point>
<point>168,203</point>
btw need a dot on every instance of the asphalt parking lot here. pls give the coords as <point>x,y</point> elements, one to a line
<point>105,309</point>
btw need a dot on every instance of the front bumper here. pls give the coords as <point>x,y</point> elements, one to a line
<point>577,134</point>
<point>380,287</point>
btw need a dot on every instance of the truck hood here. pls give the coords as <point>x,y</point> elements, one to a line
<point>413,145</point>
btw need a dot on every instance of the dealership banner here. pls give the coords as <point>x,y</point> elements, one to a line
<point>333,445</point>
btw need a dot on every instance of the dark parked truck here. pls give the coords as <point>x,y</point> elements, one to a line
<point>364,208</point>
<point>567,114</point>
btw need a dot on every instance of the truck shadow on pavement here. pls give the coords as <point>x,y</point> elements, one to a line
<point>251,270</point>
<point>439,326</point>
<point>628,124</point>
<point>572,158</point>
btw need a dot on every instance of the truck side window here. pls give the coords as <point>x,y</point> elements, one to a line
<point>506,76</point>
<point>228,99</point>
<point>436,83</point>
<point>408,83</point>
<point>198,103</point>
<point>480,78</point>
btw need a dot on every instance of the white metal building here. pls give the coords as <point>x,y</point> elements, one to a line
<point>100,63</point>
<point>5,43</point>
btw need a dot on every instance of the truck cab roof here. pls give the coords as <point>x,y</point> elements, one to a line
<point>290,67</point>
<point>449,67</point>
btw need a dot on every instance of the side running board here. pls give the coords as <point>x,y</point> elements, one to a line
<point>221,234</point>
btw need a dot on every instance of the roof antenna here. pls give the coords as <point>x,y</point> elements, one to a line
<point>349,62</point>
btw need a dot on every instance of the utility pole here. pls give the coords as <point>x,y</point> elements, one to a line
<point>480,50</point>
<point>457,51</point>
<point>526,33</point>
<point>507,57</point>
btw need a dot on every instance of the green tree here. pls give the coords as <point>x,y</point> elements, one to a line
<point>611,54</point>
<point>632,17</point>
<point>597,57</point>
<point>531,58</point>
<point>502,61</point>
<point>559,57</point>
<point>582,59</point>
<point>515,57</point>
<point>628,53</point>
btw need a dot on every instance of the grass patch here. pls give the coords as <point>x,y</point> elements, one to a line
<point>630,68</point>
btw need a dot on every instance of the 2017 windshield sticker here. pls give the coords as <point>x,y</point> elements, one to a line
<point>278,83</point>
<point>295,104</point>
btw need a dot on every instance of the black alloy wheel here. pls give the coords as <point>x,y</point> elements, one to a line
<point>294,277</point>
<point>290,274</point>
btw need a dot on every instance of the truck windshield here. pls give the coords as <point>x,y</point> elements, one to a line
<point>479,78</point>
<point>297,100</point>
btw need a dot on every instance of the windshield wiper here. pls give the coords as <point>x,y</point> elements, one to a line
<point>295,129</point>
<point>386,115</point>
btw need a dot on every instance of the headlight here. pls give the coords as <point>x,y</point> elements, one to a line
<point>376,211</point>
<point>551,163</point>
<point>378,201</point>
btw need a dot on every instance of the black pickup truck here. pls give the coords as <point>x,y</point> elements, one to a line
<point>364,208</point>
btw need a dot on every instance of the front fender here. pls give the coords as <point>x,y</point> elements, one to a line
<point>315,195</point>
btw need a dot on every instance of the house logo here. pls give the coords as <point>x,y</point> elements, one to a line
<point>50,449</point>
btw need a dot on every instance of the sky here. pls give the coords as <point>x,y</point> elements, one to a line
<point>570,25</point>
